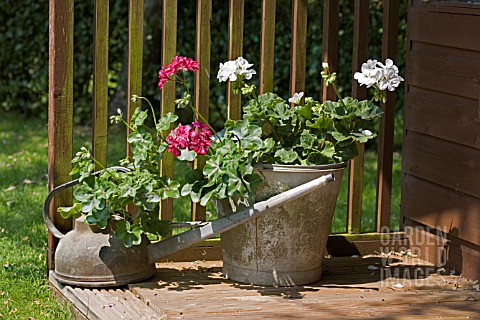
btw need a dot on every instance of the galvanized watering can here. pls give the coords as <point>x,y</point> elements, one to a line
<point>90,257</point>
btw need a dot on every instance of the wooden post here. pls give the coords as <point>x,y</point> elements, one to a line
<point>235,49</point>
<point>299,46</point>
<point>202,81</point>
<point>135,53</point>
<point>331,9</point>
<point>60,113</point>
<point>100,83</point>
<point>267,46</point>
<point>385,138</point>
<point>169,41</point>
<point>360,52</point>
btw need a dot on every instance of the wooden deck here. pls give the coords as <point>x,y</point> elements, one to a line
<point>352,287</point>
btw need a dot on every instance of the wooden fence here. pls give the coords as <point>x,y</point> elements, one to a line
<point>60,121</point>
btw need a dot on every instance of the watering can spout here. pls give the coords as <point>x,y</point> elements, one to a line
<point>208,230</point>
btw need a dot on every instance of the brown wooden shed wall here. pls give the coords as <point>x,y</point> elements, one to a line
<point>441,166</point>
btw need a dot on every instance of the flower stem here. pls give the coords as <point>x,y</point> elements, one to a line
<point>151,108</point>
<point>127,125</point>
<point>183,81</point>
<point>337,93</point>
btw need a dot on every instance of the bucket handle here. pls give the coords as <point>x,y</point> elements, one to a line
<point>46,205</point>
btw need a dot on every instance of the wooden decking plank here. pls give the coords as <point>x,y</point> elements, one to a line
<point>181,295</point>
<point>131,305</point>
<point>107,304</point>
<point>101,305</point>
<point>198,290</point>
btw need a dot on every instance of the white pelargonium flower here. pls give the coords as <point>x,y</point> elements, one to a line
<point>383,76</point>
<point>325,65</point>
<point>369,74</point>
<point>227,71</point>
<point>390,79</point>
<point>296,98</point>
<point>231,70</point>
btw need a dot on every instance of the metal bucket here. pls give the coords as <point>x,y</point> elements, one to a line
<point>285,246</point>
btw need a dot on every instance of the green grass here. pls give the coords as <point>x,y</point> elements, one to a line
<point>23,187</point>
<point>369,196</point>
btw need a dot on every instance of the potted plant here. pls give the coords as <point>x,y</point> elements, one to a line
<point>249,160</point>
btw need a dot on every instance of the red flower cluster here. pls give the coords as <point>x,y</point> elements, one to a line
<point>178,63</point>
<point>183,137</point>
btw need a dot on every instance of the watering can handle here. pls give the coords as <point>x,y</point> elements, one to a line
<point>46,205</point>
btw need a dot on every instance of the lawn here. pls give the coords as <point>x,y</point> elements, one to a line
<point>23,187</point>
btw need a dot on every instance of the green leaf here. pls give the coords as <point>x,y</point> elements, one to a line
<point>156,226</point>
<point>317,158</point>
<point>328,149</point>
<point>98,217</point>
<point>339,136</point>
<point>153,198</point>
<point>135,138</point>
<point>307,139</point>
<point>73,211</point>
<point>286,156</point>
<point>207,197</point>
<point>83,193</point>
<point>140,118</point>
<point>128,234</point>
<point>305,111</point>
<point>368,110</point>
<point>186,189</point>
<point>165,122</point>
<point>323,124</point>
<point>187,155</point>
<point>247,134</point>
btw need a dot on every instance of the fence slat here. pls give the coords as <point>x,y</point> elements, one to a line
<point>267,46</point>
<point>202,80</point>
<point>299,46</point>
<point>135,52</point>
<point>385,138</point>
<point>235,49</point>
<point>100,83</point>
<point>331,10</point>
<point>60,113</point>
<point>169,47</point>
<point>360,52</point>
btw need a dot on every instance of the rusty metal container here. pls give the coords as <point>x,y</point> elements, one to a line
<point>90,257</point>
<point>285,246</point>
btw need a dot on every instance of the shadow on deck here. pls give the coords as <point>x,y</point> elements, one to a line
<point>363,287</point>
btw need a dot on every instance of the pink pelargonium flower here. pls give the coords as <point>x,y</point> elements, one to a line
<point>178,63</point>
<point>184,64</point>
<point>184,137</point>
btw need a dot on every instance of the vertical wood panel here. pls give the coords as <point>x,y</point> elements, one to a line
<point>360,52</point>
<point>202,80</point>
<point>267,46</point>
<point>385,138</point>
<point>331,10</point>
<point>135,53</point>
<point>60,112</point>
<point>169,41</point>
<point>100,83</point>
<point>299,46</point>
<point>235,49</point>
<point>406,119</point>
